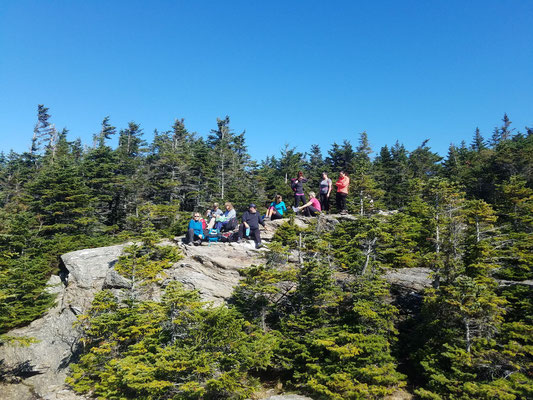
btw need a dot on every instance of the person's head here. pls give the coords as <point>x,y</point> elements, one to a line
<point>312,194</point>
<point>278,198</point>
<point>342,174</point>
<point>196,216</point>
<point>228,205</point>
<point>252,207</point>
<point>324,175</point>
<point>300,174</point>
<point>215,206</point>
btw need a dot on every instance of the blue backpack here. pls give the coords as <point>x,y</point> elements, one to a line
<point>212,236</point>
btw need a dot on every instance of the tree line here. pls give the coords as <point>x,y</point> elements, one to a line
<point>324,326</point>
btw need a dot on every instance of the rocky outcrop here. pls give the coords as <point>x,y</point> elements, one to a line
<point>45,362</point>
<point>39,370</point>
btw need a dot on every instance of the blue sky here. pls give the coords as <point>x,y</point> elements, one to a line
<point>299,72</point>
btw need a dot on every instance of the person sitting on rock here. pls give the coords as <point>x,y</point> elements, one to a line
<point>312,208</point>
<point>250,225</point>
<point>276,208</point>
<point>228,220</point>
<point>212,215</point>
<point>196,232</point>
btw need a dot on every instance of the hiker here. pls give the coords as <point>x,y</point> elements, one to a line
<point>196,232</point>
<point>312,208</point>
<point>228,220</point>
<point>250,225</point>
<point>297,185</point>
<point>212,214</point>
<point>342,192</point>
<point>325,190</point>
<point>276,208</point>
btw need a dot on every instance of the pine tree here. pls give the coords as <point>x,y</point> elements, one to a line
<point>60,198</point>
<point>478,142</point>
<point>423,162</point>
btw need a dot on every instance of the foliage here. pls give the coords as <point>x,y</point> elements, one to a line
<point>324,324</point>
<point>178,348</point>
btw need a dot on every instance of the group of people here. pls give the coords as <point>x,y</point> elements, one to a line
<point>221,221</point>
<point>325,189</point>
<point>198,229</point>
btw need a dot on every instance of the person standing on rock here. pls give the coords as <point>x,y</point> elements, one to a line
<point>342,192</point>
<point>195,232</point>
<point>312,208</point>
<point>276,208</point>
<point>297,185</point>
<point>250,225</point>
<point>325,190</point>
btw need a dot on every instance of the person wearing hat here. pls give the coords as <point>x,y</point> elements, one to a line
<point>250,221</point>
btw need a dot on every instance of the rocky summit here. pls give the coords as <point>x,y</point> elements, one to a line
<point>38,371</point>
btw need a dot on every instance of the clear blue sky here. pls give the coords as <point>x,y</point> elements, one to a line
<point>296,72</point>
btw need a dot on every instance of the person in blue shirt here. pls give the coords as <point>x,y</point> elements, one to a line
<point>195,232</point>
<point>276,208</point>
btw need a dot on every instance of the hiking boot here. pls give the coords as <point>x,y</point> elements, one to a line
<point>239,240</point>
<point>258,245</point>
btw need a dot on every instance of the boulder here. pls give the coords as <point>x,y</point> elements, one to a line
<point>409,279</point>
<point>39,370</point>
<point>42,366</point>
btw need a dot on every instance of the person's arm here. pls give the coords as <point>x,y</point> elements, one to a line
<point>245,219</point>
<point>305,205</point>
<point>260,220</point>
<point>341,183</point>
<point>283,206</point>
<point>330,186</point>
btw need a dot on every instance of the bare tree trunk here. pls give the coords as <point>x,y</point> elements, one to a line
<point>369,249</point>
<point>467,335</point>
<point>300,258</point>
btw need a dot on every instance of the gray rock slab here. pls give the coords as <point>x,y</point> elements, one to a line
<point>56,337</point>
<point>411,279</point>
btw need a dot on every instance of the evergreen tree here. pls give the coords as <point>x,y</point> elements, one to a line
<point>60,198</point>
<point>423,163</point>
<point>478,142</point>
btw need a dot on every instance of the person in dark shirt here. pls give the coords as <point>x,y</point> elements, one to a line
<point>297,186</point>
<point>250,225</point>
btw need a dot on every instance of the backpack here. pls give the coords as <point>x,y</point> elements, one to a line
<point>231,224</point>
<point>226,236</point>
<point>212,236</point>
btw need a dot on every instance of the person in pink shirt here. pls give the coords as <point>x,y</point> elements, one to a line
<point>312,208</point>
<point>342,191</point>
